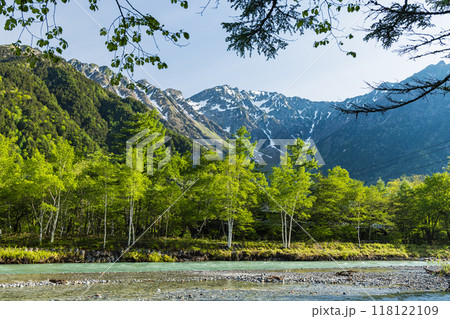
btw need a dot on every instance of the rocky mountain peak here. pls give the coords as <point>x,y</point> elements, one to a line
<point>174,110</point>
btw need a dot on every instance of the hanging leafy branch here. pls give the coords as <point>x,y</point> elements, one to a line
<point>124,36</point>
<point>267,26</point>
<point>395,95</point>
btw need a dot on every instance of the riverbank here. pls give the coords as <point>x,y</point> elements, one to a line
<point>200,250</point>
<point>361,284</point>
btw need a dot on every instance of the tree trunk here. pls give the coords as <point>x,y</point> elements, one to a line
<point>46,228</point>
<point>130,224</point>
<point>359,232</point>
<point>167,226</point>
<point>285,229</point>
<point>230,222</point>
<point>40,220</point>
<point>88,225</point>
<point>429,236</point>
<point>282,228</point>
<point>290,232</point>
<point>55,222</point>
<point>41,224</point>
<point>104,221</point>
<point>63,214</point>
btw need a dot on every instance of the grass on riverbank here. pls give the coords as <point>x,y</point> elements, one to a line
<point>11,255</point>
<point>336,250</point>
<point>160,249</point>
<point>138,256</point>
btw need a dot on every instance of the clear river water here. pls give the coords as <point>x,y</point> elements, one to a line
<point>197,266</point>
<point>196,281</point>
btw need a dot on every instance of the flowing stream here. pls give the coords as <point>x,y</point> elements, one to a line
<point>200,281</point>
<point>196,266</point>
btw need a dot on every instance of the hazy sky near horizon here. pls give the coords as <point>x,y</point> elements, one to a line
<point>324,73</point>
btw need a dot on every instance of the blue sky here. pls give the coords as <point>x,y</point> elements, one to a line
<point>300,70</point>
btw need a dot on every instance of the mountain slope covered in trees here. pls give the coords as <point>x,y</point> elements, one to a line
<point>48,100</point>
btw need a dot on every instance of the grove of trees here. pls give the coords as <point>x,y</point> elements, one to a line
<point>63,194</point>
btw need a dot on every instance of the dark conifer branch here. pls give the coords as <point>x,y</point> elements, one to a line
<point>423,89</point>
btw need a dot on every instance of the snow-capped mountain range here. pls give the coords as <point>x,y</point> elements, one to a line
<point>357,144</point>
<point>175,112</point>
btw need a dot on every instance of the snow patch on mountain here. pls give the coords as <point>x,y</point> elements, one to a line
<point>266,109</point>
<point>259,103</point>
<point>217,107</point>
<point>197,106</point>
<point>157,106</point>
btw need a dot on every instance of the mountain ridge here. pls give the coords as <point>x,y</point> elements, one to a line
<point>162,100</point>
<point>271,115</point>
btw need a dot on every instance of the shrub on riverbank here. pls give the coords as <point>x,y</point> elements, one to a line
<point>137,256</point>
<point>24,256</point>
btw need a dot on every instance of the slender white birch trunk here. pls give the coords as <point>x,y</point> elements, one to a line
<point>55,222</point>
<point>104,221</point>
<point>130,226</point>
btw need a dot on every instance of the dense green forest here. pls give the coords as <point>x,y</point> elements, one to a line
<point>63,175</point>
<point>62,194</point>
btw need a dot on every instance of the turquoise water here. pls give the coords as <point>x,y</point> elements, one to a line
<point>196,266</point>
<point>178,281</point>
